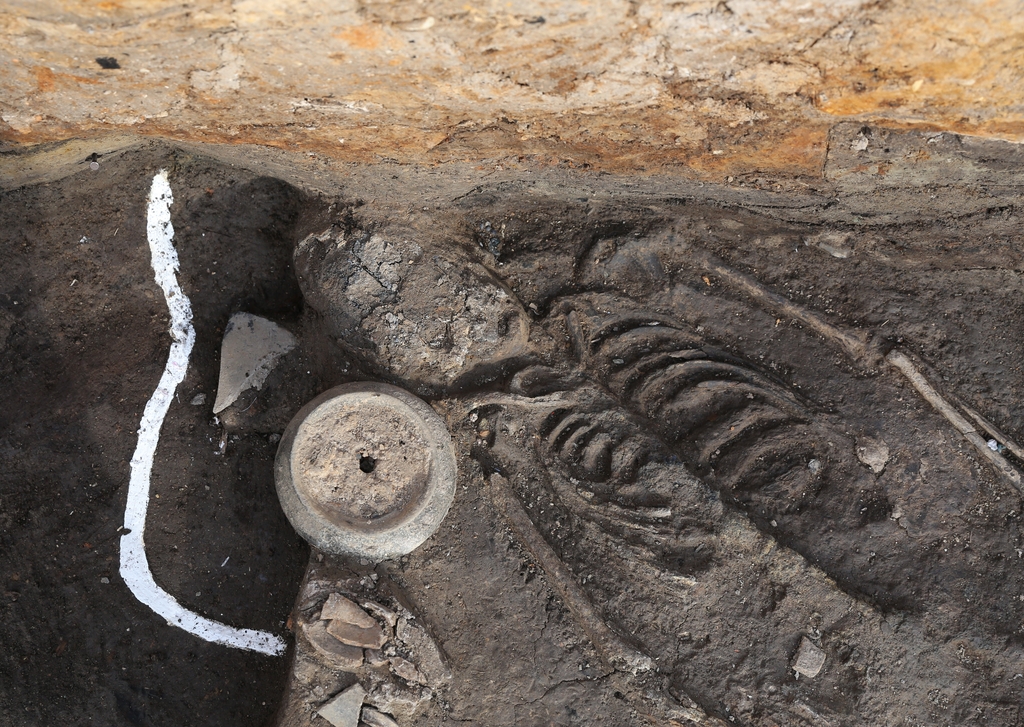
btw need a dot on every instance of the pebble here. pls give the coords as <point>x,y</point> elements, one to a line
<point>343,710</point>
<point>873,452</point>
<point>199,399</point>
<point>104,579</point>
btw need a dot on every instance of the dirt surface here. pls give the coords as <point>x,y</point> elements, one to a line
<point>715,552</point>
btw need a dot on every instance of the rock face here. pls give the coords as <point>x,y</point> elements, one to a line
<point>724,88</point>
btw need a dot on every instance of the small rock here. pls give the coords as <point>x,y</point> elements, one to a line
<point>104,579</point>
<point>809,659</point>
<point>339,608</point>
<point>342,656</point>
<point>873,452</point>
<point>199,399</point>
<point>347,633</point>
<point>374,718</point>
<point>343,710</point>
<point>407,670</point>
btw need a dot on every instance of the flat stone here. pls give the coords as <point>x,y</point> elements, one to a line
<point>249,351</point>
<point>339,608</point>
<point>375,718</point>
<point>343,710</point>
<point>371,638</point>
<point>342,656</point>
<point>809,659</point>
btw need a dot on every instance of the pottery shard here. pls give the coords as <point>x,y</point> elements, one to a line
<point>364,638</point>
<point>385,613</point>
<point>343,710</point>
<point>339,608</point>
<point>402,702</point>
<point>251,347</point>
<point>373,718</point>
<point>809,659</point>
<point>342,656</point>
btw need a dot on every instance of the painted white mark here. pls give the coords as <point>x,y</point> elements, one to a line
<point>134,564</point>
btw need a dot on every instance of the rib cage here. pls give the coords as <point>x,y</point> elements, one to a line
<point>731,424</point>
<point>601,449</point>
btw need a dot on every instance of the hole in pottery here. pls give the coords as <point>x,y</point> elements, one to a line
<point>367,463</point>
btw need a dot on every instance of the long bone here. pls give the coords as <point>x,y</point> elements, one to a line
<point>865,352</point>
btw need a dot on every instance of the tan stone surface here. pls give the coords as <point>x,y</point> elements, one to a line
<point>744,87</point>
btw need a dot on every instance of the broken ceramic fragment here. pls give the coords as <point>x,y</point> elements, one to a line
<point>353,635</point>
<point>342,656</point>
<point>343,710</point>
<point>431,663</point>
<point>404,702</point>
<point>375,718</point>
<point>385,613</point>
<point>249,351</point>
<point>339,608</point>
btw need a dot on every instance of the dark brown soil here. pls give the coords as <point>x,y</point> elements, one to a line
<point>84,343</point>
<point>929,550</point>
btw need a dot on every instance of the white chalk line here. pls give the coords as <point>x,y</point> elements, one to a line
<point>134,563</point>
